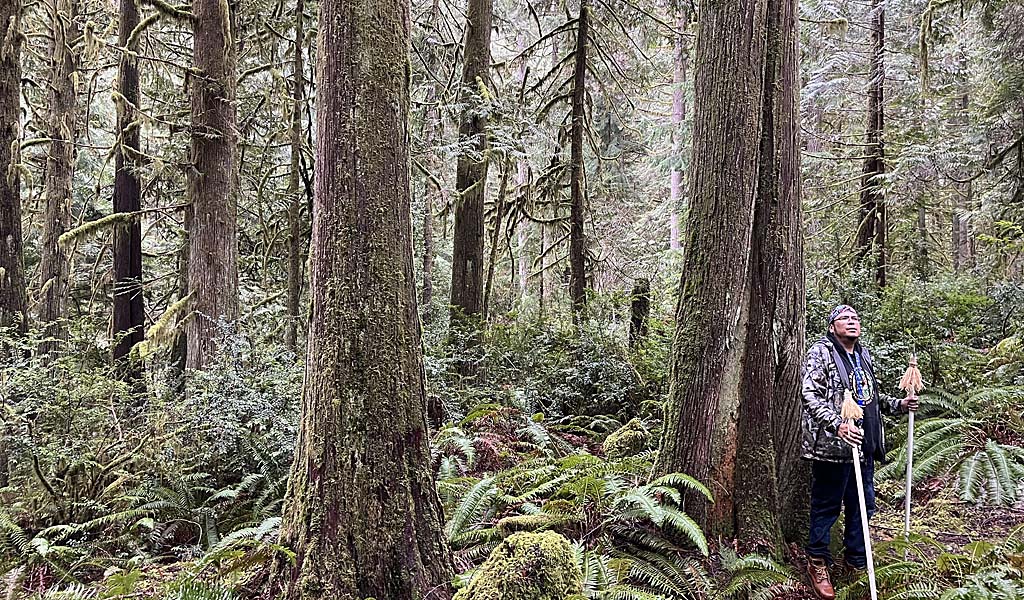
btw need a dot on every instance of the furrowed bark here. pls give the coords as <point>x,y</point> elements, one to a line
<point>361,512</point>
<point>213,252</point>
<point>13,304</point>
<point>709,337</point>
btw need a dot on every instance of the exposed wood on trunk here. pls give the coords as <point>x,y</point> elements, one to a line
<point>362,513</point>
<point>213,252</point>
<point>129,310</point>
<point>60,165</point>
<point>296,243</point>
<point>962,234</point>
<point>12,270</point>
<point>577,239</point>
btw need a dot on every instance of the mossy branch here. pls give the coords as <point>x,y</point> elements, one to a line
<point>91,227</point>
<point>161,330</point>
<point>133,37</point>
<point>181,12</point>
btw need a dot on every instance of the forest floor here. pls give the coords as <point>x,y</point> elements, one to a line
<point>938,516</point>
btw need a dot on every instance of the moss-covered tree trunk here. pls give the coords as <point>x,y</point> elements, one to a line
<point>700,416</point>
<point>871,233</point>
<point>12,269</point>
<point>577,212</point>
<point>471,176</point>
<point>60,168</point>
<point>768,427</point>
<point>361,512</point>
<point>296,243</point>
<point>129,311</point>
<point>213,183</point>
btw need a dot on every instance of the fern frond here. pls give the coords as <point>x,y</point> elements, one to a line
<point>472,506</point>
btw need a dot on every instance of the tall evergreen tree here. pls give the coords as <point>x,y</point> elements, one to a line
<point>712,306</point>
<point>577,185</point>
<point>361,512</point>
<point>12,270</point>
<point>768,427</point>
<point>471,176</point>
<point>60,167</point>
<point>129,311</point>
<point>213,182</point>
<point>871,233</point>
<point>296,243</point>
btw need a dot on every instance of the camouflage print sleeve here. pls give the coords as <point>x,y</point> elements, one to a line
<point>891,405</point>
<point>818,407</point>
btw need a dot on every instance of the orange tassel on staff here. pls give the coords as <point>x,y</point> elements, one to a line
<point>911,383</point>
<point>850,410</point>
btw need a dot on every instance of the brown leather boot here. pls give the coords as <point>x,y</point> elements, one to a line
<point>817,569</point>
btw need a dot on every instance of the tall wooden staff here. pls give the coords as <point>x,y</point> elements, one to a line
<point>911,384</point>
<point>852,412</point>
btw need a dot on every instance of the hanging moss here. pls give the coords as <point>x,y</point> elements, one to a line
<point>628,440</point>
<point>527,566</point>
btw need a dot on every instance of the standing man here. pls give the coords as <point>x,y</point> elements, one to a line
<point>835,363</point>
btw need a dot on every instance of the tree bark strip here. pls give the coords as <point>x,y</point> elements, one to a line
<point>362,513</point>
<point>213,252</point>
<point>768,428</point>
<point>129,311</point>
<point>730,67</point>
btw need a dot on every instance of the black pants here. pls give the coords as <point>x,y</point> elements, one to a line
<point>833,486</point>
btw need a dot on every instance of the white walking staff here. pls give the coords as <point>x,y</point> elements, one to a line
<point>911,384</point>
<point>851,412</point>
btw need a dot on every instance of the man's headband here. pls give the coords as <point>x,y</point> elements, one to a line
<point>842,308</point>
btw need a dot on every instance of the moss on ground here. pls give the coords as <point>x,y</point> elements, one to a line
<point>628,440</point>
<point>527,566</point>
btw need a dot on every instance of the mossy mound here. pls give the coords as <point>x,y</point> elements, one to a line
<point>527,566</point>
<point>628,440</point>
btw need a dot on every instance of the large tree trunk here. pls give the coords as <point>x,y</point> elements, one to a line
<point>213,252</point>
<point>871,232</point>
<point>711,311</point>
<point>577,239</point>
<point>60,165</point>
<point>681,54</point>
<point>768,428</point>
<point>12,269</point>
<point>362,513</point>
<point>295,241</point>
<point>129,312</point>
<point>471,176</point>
